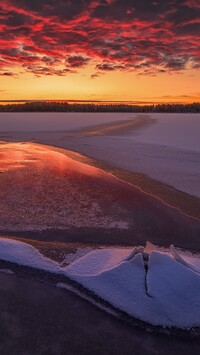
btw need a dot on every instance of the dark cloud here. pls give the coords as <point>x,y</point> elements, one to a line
<point>7,73</point>
<point>128,10</point>
<point>190,29</point>
<point>110,67</point>
<point>77,61</point>
<point>57,38</point>
<point>96,75</point>
<point>183,14</point>
<point>43,70</point>
<point>14,19</point>
<point>176,63</point>
<point>62,9</point>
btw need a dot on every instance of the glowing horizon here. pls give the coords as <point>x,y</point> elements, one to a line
<point>105,50</point>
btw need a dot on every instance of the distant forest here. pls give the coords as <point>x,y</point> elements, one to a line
<point>89,107</point>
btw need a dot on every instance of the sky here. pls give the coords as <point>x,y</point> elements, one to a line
<point>115,50</point>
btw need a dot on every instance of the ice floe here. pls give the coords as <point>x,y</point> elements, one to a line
<point>159,287</point>
<point>26,255</point>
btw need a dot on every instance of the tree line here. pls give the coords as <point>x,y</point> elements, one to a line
<point>42,106</point>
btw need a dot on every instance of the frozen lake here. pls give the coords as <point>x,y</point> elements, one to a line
<point>180,131</point>
<point>165,147</point>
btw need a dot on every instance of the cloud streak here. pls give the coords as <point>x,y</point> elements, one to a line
<point>57,38</point>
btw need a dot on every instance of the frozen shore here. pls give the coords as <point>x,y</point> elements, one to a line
<point>47,195</point>
<point>158,287</point>
<point>151,285</point>
<point>165,147</point>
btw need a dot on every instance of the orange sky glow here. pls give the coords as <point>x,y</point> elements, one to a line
<point>107,50</point>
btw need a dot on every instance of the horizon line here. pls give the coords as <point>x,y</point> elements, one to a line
<point>96,101</point>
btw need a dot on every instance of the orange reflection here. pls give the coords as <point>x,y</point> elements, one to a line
<point>42,188</point>
<point>30,155</point>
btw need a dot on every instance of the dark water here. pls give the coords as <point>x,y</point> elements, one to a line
<point>36,318</point>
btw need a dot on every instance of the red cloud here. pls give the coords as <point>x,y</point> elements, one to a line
<point>146,36</point>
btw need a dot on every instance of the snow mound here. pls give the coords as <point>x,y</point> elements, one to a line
<point>98,261</point>
<point>160,288</point>
<point>190,262</point>
<point>177,288</point>
<point>157,287</point>
<point>26,255</point>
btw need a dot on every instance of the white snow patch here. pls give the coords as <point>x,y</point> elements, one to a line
<point>26,255</point>
<point>168,294</point>
<point>188,261</point>
<point>98,261</point>
<point>157,287</point>
<point>176,288</point>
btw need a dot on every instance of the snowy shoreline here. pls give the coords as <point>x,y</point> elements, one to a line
<point>126,266</point>
<point>153,286</point>
<point>165,146</point>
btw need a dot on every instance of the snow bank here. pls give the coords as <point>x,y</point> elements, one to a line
<point>167,293</point>
<point>123,286</point>
<point>190,262</point>
<point>177,288</point>
<point>99,261</point>
<point>157,287</point>
<point>26,255</point>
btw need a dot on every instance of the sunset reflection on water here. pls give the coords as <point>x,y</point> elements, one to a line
<point>15,156</point>
<point>42,188</point>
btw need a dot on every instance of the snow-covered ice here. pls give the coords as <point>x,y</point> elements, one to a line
<point>99,261</point>
<point>24,254</point>
<point>176,288</point>
<point>43,121</point>
<point>166,147</point>
<point>172,130</point>
<point>167,294</point>
<point>163,289</point>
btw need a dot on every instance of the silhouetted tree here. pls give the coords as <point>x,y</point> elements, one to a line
<point>42,106</point>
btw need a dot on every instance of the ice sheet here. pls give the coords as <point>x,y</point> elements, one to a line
<point>166,149</point>
<point>161,291</point>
